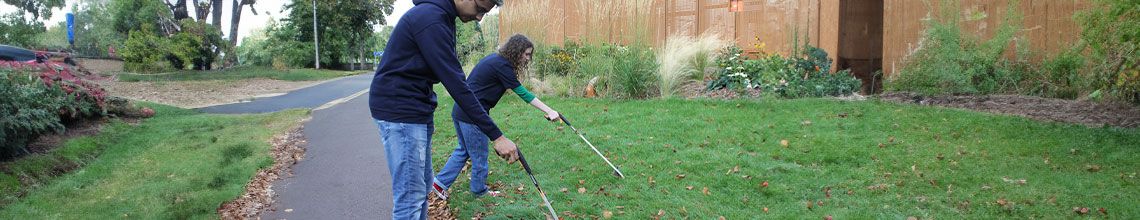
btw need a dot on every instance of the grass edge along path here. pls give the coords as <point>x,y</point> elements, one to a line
<point>803,158</point>
<point>179,164</point>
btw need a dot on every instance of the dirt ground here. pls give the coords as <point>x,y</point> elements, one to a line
<point>1044,109</point>
<point>197,94</point>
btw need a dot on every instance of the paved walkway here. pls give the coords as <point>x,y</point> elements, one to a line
<point>310,97</point>
<point>343,174</point>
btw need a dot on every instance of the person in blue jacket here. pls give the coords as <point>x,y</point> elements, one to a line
<point>490,79</point>
<point>421,53</point>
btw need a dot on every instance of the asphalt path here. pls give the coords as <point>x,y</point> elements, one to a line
<point>310,97</point>
<point>343,175</point>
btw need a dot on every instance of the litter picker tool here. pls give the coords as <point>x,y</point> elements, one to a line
<point>616,171</point>
<point>532,179</point>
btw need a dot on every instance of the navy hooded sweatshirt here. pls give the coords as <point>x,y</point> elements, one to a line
<point>492,77</point>
<point>421,53</point>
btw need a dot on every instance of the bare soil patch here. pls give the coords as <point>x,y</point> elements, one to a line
<point>197,94</point>
<point>1044,109</point>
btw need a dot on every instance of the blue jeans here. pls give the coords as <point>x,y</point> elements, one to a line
<point>408,150</point>
<point>473,144</point>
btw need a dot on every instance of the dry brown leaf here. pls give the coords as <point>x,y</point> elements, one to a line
<point>680,176</point>
<point>607,214</point>
<point>689,187</point>
<point>581,190</point>
<point>563,190</point>
<point>705,190</point>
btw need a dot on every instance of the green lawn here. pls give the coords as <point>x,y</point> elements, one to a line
<point>939,160</point>
<point>240,73</point>
<point>179,164</point>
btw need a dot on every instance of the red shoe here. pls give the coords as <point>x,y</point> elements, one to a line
<point>439,191</point>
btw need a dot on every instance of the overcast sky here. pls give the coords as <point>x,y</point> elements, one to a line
<point>266,9</point>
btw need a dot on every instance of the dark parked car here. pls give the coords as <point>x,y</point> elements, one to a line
<point>10,53</point>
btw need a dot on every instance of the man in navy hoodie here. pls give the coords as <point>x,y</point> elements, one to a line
<point>421,53</point>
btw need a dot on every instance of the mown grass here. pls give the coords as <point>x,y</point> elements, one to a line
<point>939,160</point>
<point>179,164</point>
<point>240,73</point>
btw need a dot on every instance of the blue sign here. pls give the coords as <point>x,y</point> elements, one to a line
<point>377,53</point>
<point>70,30</point>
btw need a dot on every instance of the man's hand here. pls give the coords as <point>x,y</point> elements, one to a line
<point>506,149</point>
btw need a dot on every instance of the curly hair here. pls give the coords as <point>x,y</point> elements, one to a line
<point>514,50</point>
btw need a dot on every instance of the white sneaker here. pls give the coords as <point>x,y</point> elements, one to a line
<point>439,191</point>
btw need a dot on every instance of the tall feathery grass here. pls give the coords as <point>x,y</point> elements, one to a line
<point>533,18</point>
<point>682,57</point>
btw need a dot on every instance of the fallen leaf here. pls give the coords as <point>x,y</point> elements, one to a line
<point>581,181</point>
<point>809,204</point>
<point>1092,168</point>
<point>1102,211</point>
<point>722,217</point>
<point>1002,202</point>
<point>806,123</point>
<point>784,143</point>
<point>892,139</point>
<point>827,217</point>
<point>689,187</point>
<point>651,181</point>
<point>581,190</point>
<point>765,209</point>
<point>680,176</point>
<point>736,169</point>
<point>563,190</point>
<point>765,184</point>
<point>660,212</point>
<point>607,214</point>
<point>705,190</point>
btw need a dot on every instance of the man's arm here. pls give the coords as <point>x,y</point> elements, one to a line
<point>437,45</point>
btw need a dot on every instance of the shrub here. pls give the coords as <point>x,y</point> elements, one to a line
<point>951,62</point>
<point>27,107</point>
<point>144,51</point>
<point>558,61</point>
<point>803,75</point>
<point>1110,31</point>
<point>37,99</point>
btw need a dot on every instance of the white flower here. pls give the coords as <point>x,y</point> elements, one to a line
<point>728,68</point>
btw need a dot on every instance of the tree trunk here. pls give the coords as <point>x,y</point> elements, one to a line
<point>179,9</point>
<point>201,11</point>
<point>235,17</point>
<point>360,52</point>
<point>217,16</point>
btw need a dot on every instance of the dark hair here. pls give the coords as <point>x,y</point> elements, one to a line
<point>514,50</point>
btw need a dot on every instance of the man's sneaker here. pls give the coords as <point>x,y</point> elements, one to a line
<point>439,191</point>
